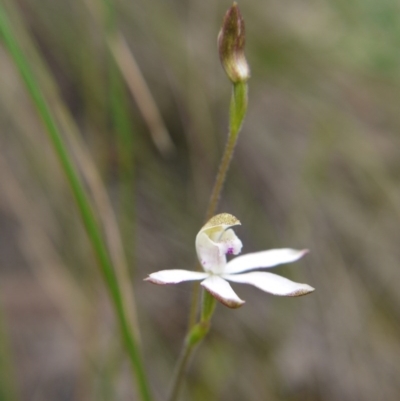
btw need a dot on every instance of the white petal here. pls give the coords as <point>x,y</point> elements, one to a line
<point>211,255</point>
<point>175,276</point>
<point>271,283</point>
<point>261,259</point>
<point>230,243</point>
<point>222,291</point>
<point>215,240</point>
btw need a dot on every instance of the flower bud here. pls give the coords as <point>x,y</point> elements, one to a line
<point>231,41</point>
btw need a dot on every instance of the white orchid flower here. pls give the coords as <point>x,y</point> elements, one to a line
<point>216,240</point>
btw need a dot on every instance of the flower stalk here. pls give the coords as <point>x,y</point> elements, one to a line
<point>231,42</point>
<point>208,306</point>
<point>222,173</point>
<point>195,335</point>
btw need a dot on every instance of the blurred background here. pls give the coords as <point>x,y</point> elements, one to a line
<point>141,100</point>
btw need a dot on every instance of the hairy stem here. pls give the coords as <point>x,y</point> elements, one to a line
<point>238,110</point>
<point>196,332</point>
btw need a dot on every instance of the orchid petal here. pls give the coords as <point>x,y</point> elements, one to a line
<point>222,291</point>
<point>271,283</point>
<point>211,255</point>
<point>230,244</point>
<point>215,240</point>
<point>175,276</point>
<point>262,259</point>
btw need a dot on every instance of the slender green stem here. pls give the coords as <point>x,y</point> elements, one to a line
<point>192,340</point>
<point>209,304</point>
<point>238,107</point>
<point>196,332</point>
<point>81,198</point>
<point>221,176</point>
<point>238,110</point>
<point>194,304</point>
<point>180,371</point>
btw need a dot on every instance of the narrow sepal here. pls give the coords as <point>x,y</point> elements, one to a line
<point>174,276</point>
<point>263,259</point>
<point>271,283</point>
<point>222,291</point>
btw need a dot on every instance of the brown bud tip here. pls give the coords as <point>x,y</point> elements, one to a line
<point>231,41</point>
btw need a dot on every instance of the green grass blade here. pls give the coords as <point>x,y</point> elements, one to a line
<point>7,380</point>
<point>82,200</point>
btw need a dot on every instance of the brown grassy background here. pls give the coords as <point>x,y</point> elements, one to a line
<point>317,166</point>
